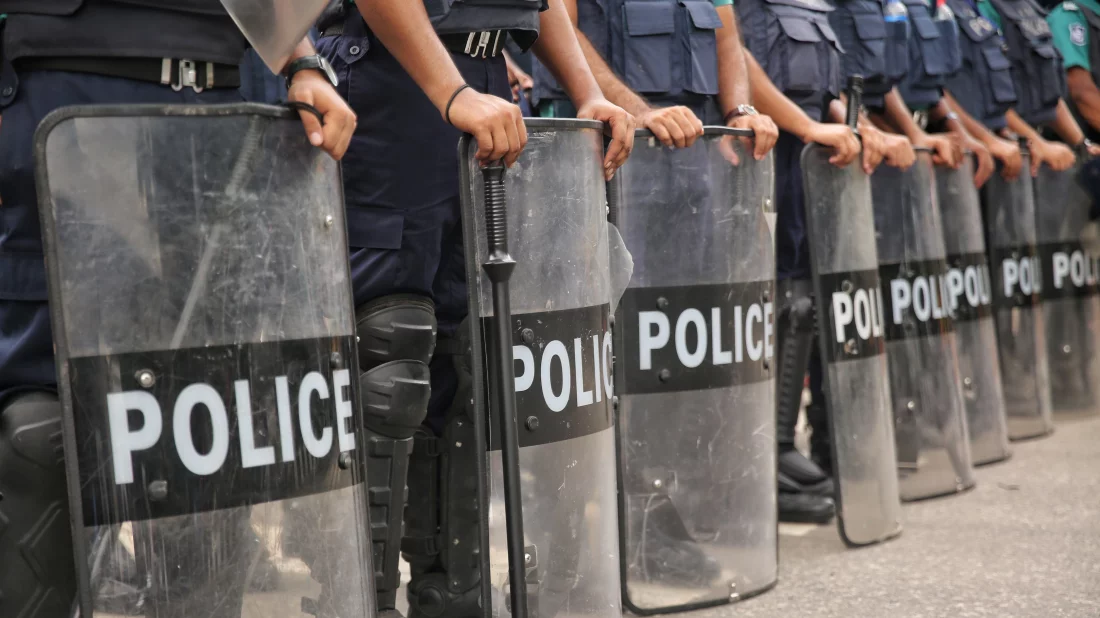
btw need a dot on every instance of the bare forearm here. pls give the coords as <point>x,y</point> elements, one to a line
<point>1020,127</point>
<point>558,49</point>
<point>838,110</point>
<point>305,48</point>
<point>769,100</point>
<point>972,125</point>
<point>404,28</point>
<point>733,73</point>
<point>1086,96</point>
<point>900,116</point>
<point>613,88</point>
<point>1065,125</point>
<point>941,112</point>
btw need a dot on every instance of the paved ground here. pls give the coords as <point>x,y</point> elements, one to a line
<point>1025,543</point>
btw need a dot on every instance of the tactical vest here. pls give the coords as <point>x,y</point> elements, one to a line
<point>984,85</point>
<point>196,29</point>
<point>665,50</point>
<point>519,17</point>
<point>933,55</point>
<point>1036,64</point>
<point>68,7</point>
<point>873,47</point>
<point>1094,67</point>
<point>798,49</point>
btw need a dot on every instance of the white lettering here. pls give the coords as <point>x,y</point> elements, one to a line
<point>190,397</point>
<point>313,382</point>
<point>124,441</point>
<point>649,340</point>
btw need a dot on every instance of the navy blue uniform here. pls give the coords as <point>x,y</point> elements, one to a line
<point>26,344</point>
<point>401,183</point>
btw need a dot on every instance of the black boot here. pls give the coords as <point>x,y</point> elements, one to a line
<point>669,553</point>
<point>821,445</point>
<point>798,506</point>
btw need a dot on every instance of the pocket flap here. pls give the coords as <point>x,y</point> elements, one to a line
<point>977,29</point>
<point>799,29</point>
<point>1046,51</point>
<point>925,28</point>
<point>703,14</point>
<point>996,59</point>
<point>647,18</point>
<point>374,228</point>
<point>869,26</point>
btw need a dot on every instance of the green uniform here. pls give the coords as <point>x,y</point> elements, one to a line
<point>1071,32</point>
<point>988,11</point>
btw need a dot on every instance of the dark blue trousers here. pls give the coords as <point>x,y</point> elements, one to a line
<point>401,185</point>
<point>26,345</point>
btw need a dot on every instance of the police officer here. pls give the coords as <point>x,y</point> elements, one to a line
<point>88,52</point>
<point>417,85</point>
<point>1075,28</point>
<point>673,84</point>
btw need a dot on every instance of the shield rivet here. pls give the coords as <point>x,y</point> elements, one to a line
<point>458,445</point>
<point>847,287</point>
<point>657,484</point>
<point>329,220</point>
<point>768,202</point>
<point>912,405</point>
<point>767,365</point>
<point>335,360</point>
<point>528,336</point>
<point>146,378</point>
<point>532,423</point>
<point>526,558</point>
<point>662,303</point>
<point>850,347</point>
<point>455,542</point>
<point>345,461</point>
<point>664,375</point>
<point>767,296</point>
<point>158,490</point>
<point>968,381</point>
<point>1066,349</point>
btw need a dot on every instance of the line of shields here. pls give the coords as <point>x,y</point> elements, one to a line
<point>624,379</point>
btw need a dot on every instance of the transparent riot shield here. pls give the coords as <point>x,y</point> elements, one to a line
<point>561,300</point>
<point>694,348</point>
<point>970,302</point>
<point>275,27</point>
<point>1071,306</point>
<point>929,415</point>
<point>1009,216</point>
<point>203,322</point>
<point>851,334</point>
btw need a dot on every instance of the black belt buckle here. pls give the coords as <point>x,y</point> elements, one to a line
<point>485,44</point>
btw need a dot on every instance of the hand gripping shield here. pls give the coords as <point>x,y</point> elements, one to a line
<point>1009,213</point>
<point>929,415</point>
<point>851,334</point>
<point>202,316</point>
<point>969,297</point>
<point>561,304</point>
<point>694,347</point>
<point>1071,307</point>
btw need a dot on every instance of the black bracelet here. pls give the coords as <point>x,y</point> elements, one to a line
<point>447,112</point>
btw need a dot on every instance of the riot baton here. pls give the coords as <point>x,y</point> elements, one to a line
<point>855,101</point>
<point>499,267</point>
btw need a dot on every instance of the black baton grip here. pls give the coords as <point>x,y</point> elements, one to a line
<point>855,100</point>
<point>614,195</point>
<point>496,208</point>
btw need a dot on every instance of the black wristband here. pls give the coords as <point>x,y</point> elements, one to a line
<point>454,95</point>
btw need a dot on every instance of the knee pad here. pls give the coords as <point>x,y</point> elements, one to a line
<point>795,330</point>
<point>396,339</point>
<point>38,577</point>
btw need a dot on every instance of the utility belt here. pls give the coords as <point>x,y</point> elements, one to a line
<point>178,73</point>
<point>481,44</point>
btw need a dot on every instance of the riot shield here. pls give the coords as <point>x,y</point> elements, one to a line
<point>844,259</point>
<point>970,302</point>
<point>204,329</point>
<point>694,347</point>
<point>1071,307</point>
<point>275,27</point>
<point>1009,216</point>
<point>929,416</point>
<point>561,301</point>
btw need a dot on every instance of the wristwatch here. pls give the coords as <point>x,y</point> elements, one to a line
<point>314,62</point>
<point>740,110</point>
